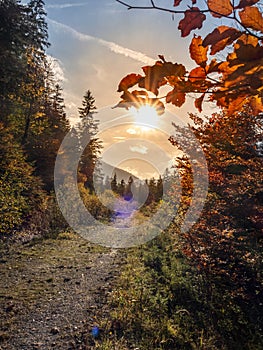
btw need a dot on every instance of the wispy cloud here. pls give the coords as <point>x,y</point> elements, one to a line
<point>63,6</point>
<point>135,55</point>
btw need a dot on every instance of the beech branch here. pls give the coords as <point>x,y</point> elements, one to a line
<point>154,7</point>
<point>173,11</point>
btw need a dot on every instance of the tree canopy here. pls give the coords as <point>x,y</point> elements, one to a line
<point>233,79</point>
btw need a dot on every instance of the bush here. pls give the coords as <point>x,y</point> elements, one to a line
<point>20,190</point>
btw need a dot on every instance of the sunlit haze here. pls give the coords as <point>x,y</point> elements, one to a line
<point>147,115</point>
<point>94,44</point>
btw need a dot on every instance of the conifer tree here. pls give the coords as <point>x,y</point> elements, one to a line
<point>114,184</point>
<point>87,129</point>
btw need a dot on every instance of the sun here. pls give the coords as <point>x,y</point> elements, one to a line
<point>146,116</point>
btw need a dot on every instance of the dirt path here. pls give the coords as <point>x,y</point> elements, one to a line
<point>53,290</point>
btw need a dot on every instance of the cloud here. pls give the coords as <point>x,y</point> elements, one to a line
<point>135,55</point>
<point>139,149</point>
<point>57,68</point>
<point>63,6</point>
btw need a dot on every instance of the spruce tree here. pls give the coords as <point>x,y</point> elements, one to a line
<point>87,129</point>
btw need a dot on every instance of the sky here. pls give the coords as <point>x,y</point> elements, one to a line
<point>95,43</point>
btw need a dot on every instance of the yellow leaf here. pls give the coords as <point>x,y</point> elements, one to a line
<point>220,8</point>
<point>198,52</point>
<point>252,18</point>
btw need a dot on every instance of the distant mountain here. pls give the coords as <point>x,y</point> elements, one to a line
<point>110,170</point>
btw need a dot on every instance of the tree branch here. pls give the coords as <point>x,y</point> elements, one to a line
<point>163,9</point>
<point>154,7</point>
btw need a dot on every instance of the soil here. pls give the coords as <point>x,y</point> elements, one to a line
<point>53,292</point>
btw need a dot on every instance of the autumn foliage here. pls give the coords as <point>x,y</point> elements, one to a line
<point>232,83</point>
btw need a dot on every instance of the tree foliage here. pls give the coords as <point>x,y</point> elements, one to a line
<point>32,117</point>
<point>233,82</point>
<point>87,130</point>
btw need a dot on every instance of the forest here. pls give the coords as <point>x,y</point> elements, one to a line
<point>195,289</point>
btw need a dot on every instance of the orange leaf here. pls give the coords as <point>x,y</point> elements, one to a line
<point>198,52</point>
<point>220,38</point>
<point>236,105</point>
<point>256,105</point>
<point>220,8</point>
<point>197,74</point>
<point>252,18</point>
<point>177,2</point>
<point>176,98</point>
<point>199,102</point>
<point>129,81</point>
<point>244,3</point>
<point>248,39</point>
<point>192,19</point>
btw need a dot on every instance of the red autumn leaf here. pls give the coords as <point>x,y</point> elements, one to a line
<point>244,3</point>
<point>252,18</point>
<point>247,53</point>
<point>192,19</point>
<point>198,52</point>
<point>213,66</point>
<point>220,8</point>
<point>197,74</point>
<point>139,93</point>
<point>199,102</point>
<point>173,69</point>
<point>220,38</point>
<point>154,78</point>
<point>177,2</point>
<point>176,98</point>
<point>129,81</point>
<point>157,75</point>
<point>126,104</point>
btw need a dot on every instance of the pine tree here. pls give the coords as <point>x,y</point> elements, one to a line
<point>114,184</point>
<point>121,188</point>
<point>159,189</point>
<point>46,135</point>
<point>128,195</point>
<point>87,129</point>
